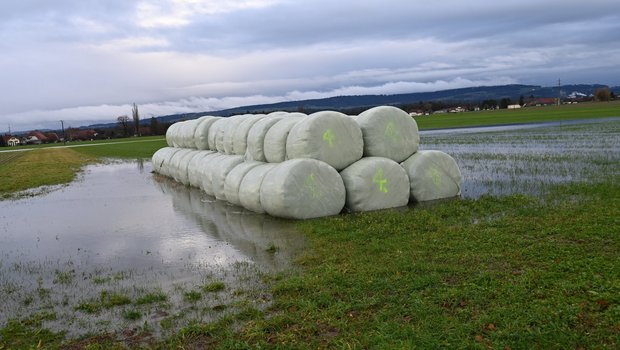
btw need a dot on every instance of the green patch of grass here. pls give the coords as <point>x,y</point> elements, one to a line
<point>272,248</point>
<point>106,300</point>
<point>40,168</point>
<point>214,287</point>
<point>522,115</point>
<point>192,296</point>
<point>134,148</point>
<point>64,277</point>
<point>18,335</point>
<point>151,298</point>
<point>512,272</point>
<point>132,315</point>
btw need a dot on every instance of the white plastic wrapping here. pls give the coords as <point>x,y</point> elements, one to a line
<point>193,168</point>
<point>214,131</point>
<point>182,171</point>
<point>275,138</point>
<point>171,134</point>
<point>328,136</point>
<point>240,135</point>
<point>161,158</point>
<point>221,171</point>
<point>201,135</point>
<point>302,189</point>
<point>234,178</point>
<point>230,131</point>
<point>249,190</point>
<point>175,161</point>
<point>388,132</point>
<point>256,138</point>
<point>374,183</point>
<point>432,175</point>
<point>209,164</point>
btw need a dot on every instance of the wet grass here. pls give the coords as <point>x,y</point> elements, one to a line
<point>40,168</point>
<point>522,115</point>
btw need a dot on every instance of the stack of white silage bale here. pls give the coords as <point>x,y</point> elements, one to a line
<point>301,166</point>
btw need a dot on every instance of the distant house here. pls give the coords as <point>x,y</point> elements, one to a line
<point>82,135</point>
<point>39,135</point>
<point>517,106</point>
<point>52,137</point>
<point>31,140</point>
<point>546,101</point>
<point>12,141</point>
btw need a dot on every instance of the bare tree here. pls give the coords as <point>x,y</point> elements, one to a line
<point>136,119</point>
<point>123,122</point>
<point>602,94</point>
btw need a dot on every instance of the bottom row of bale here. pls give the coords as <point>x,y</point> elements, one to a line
<point>307,188</point>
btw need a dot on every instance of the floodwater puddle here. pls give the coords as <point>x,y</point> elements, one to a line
<point>122,231</point>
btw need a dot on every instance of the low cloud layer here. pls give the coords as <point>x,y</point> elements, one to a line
<point>87,61</point>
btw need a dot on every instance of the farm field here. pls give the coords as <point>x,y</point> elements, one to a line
<point>527,259</point>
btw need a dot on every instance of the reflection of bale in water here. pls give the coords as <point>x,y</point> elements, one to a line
<point>269,242</point>
<point>374,183</point>
<point>432,175</point>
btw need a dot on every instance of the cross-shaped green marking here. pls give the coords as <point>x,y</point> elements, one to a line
<point>381,181</point>
<point>310,185</point>
<point>391,132</point>
<point>328,136</point>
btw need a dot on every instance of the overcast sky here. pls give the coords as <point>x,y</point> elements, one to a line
<point>86,61</point>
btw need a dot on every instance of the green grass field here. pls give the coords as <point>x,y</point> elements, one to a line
<point>523,115</point>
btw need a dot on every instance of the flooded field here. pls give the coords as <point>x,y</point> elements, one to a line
<point>122,248</point>
<point>529,159</point>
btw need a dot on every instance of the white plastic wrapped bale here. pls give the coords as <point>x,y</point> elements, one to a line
<point>220,172</point>
<point>209,163</point>
<point>275,138</point>
<point>171,134</point>
<point>241,133</point>
<point>193,168</point>
<point>302,189</point>
<point>327,136</point>
<point>187,133</point>
<point>256,138</point>
<point>432,175</point>
<point>249,189</point>
<point>229,132</point>
<point>201,136</point>
<point>161,158</point>
<point>234,178</point>
<point>388,132</point>
<point>183,170</point>
<point>374,183</point>
<point>176,164</point>
<point>214,131</point>
<point>166,164</point>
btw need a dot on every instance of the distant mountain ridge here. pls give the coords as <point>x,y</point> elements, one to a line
<point>464,95</point>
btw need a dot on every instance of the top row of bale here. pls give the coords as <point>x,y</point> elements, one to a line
<point>332,137</point>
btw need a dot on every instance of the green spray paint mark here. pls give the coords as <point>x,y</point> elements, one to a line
<point>435,175</point>
<point>311,186</point>
<point>381,181</point>
<point>391,132</point>
<point>328,136</point>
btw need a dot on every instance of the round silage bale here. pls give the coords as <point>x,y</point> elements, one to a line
<point>432,175</point>
<point>171,134</point>
<point>183,166</point>
<point>241,133</point>
<point>201,136</point>
<point>188,133</point>
<point>388,132</point>
<point>176,163</point>
<point>209,163</point>
<point>275,138</point>
<point>214,131</point>
<point>374,183</point>
<point>302,189</point>
<point>229,132</point>
<point>161,158</point>
<point>193,168</point>
<point>220,172</point>
<point>234,178</point>
<point>327,136</point>
<point>249,189</point>
<point>256,138</point>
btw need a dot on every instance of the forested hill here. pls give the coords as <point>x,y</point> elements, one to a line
<point>463,95</point>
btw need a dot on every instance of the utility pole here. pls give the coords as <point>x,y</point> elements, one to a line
<point>559,91</point>
<point>64,139</point>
